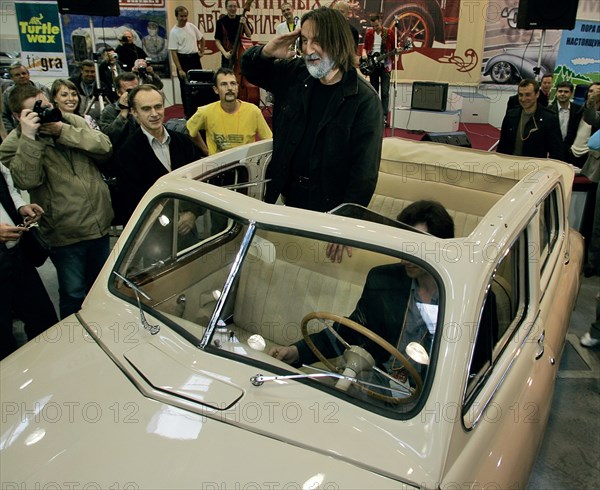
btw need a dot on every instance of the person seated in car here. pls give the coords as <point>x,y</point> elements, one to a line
<point>395,304</point>
<point>389,304</point>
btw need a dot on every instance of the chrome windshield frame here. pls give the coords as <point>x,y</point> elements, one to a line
<point>233,274</point>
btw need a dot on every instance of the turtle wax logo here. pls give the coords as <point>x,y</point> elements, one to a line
<point>39,28</point>
<point>39,32</point>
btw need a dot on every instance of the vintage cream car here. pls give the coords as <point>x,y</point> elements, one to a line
<point>164,378</point>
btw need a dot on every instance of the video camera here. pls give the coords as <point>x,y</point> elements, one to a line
<point>47,114</point>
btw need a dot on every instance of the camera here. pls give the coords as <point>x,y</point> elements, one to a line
<point>142,67</point>
<point>124,39</point>
<point>47,114</point>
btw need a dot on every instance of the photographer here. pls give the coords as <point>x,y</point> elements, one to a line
<point>128,52</point>
<point>54,157</point>
<point>110,69</point>
<point>116,120</point>
<point>146,73</point>
<point>19,75</point>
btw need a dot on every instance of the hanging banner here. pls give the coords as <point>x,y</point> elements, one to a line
<point>511,54</point>
<point>579,54</point>
<point>148,26</point>
<point>40,33</point>
<point>445,36</point>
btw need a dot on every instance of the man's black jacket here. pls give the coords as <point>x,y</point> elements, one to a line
<point>346,151</point>
<point>542,138</point>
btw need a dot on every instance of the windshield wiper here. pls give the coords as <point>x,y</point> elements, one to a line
<point>153,329</point>
<point>260,379</point>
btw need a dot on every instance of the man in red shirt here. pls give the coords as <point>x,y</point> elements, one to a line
<point>379,40</point>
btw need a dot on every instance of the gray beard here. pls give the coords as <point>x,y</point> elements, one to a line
<point>319,71</point>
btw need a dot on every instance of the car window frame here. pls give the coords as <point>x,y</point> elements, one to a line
<point>476,400</point>
<point>204,343</point>
<point>549,256</point>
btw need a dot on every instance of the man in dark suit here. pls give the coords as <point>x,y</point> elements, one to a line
<point>389,304</point>
<point>545,87</point>
<point>85,82</point>
<point>530,130</point>
<point>151,150</point>
<point>569,115</point>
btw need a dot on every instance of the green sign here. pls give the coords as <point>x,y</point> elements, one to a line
<point>39,27</point>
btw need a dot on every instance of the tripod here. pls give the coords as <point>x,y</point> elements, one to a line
<point>538,69</point>
<point>97,95</point>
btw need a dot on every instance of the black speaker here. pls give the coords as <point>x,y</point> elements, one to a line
<point>102,8</point>
<point>200,76</point>
<point>429,96</point>
<point>547,14</point>
<point>197,94</point>
<point>457,138</point>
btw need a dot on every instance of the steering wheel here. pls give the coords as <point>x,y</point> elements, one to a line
<point>380,341</point>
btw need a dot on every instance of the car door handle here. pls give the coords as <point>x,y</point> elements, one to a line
<point>540,342</point>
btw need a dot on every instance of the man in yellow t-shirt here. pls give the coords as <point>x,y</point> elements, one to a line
<point>229,122</point>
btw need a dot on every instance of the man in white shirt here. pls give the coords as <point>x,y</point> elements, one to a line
<point>290,22</point>
<point>21,289</point>
<point>186,45</point>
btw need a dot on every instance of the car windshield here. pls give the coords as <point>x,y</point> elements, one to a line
<point>242,289</point>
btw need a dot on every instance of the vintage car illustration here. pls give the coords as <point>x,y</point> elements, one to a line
<point>515,64</point>
<point>419,22</point>
<point>164,378</point>
<point>424,21</point>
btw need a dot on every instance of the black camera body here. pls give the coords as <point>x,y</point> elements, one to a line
<point>47,114</point>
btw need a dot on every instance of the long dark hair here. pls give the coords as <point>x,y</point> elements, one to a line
<point>63,82</point>
<point>335,37</point>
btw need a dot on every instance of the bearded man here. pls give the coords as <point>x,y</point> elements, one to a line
<point>327,120</point>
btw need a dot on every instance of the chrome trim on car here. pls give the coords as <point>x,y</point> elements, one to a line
<point>235,268</point>
<point>483,407</point>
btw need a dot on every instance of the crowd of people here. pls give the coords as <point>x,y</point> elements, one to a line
<point>89,166</point>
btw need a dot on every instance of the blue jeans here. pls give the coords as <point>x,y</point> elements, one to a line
<point>77,267</point>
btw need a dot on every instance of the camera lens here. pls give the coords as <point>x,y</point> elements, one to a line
<point>46,114</point>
